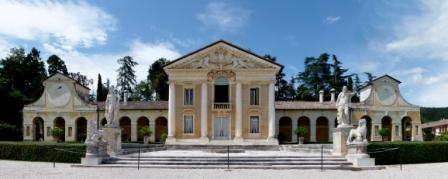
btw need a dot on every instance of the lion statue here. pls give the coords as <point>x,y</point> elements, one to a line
<point>358,135</point>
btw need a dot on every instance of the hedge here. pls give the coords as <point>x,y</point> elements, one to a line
<point>42,151</point>
<point>410,152</point>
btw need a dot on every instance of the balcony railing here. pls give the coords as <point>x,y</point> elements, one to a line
<point>221,106</point>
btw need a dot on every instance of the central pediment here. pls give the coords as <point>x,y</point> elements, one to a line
<point>222,55</point>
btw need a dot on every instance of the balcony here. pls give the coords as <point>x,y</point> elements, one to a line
<point>222,106</point>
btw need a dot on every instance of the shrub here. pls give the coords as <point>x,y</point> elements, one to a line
<point>42,151</point>
<point>443,137</point>
<point>163,137</point>
<point>57,132</point>
<point>384,132</point>
<point>410,152</point>
<point>301,131</point>
<point>145,131</point>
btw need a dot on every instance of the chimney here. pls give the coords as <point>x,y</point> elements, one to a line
<point>125,99</point>
<point>321,96</point>
<point>333,95</point>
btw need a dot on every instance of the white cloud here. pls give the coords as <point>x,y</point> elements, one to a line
<point>223,16</point>
<point>424,35</point>
<point>106,63</point>
<point>331,19</point>
<point>435,96</point>
<point>66,25</point>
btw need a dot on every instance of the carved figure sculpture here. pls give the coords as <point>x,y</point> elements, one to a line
<point>358,135</point>
<point>111,107</point>
<point>343,105</point>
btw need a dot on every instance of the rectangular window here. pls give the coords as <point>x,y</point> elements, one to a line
<point>397,132</point>
<point>254,96</point>
<point>188,124</point>
<point>377,128</point>
<point>188,96</point>
<point>70,131</point>
<point>416,129</point>
<point>48,131</point>
<point>254,124</point>
<point>27,130</point>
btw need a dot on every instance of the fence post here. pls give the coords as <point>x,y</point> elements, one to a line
<point>138,160</point>
<point>228,157</point>
<point>399,156</point>
<point>321,157</point>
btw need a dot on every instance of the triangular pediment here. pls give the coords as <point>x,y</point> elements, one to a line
<point>222,55</point>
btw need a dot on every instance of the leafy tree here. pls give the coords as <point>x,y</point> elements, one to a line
<point>314,78</point>
<point>283,90</point>
<point>370,77</point>
<point>142,92</point>
<point>21,78</point>
<point>337,76</point>
<point>101,90</point>
<point>56,65</point>
<point>159,79</point>
<point>80,78</point>
<point>126,75</point>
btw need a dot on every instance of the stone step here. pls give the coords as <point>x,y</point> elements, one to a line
<point>276,167</point>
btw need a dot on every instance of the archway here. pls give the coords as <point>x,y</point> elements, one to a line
<point>386,122</point>
<point>125,125</point>
<point>81,129</point>
<point>285,130</point>
<point>38,127</point>
<point>103,122</point>
<point>322,130</point>
<point>141,122</point>
<point>60,123</point>
<point>369,126</point>
<point>305,122</point>
<point>161,128</point>
<point>406,128</point>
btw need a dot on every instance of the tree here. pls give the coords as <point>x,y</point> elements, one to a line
<point>370,77</point>
<point>126,75</point>
<point>314,78</point>
<point>283,91</point>
<point>21,80</point>
<point>337,75</point>
<point>101,90</point>
<point>80,78</point>
<point>142,92</point>
<point>56,65</point>
<point>159,79</point>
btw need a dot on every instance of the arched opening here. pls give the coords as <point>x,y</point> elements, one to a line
<point>406,128</point>
<point>38,127</point>
<point>285,130</point>
<point>221,90</point>
<point>125,125</point>
<point>369,126</point>
<point>81,129</point>
<point>305,122</point>
<point>386,122</point>
<point>322,130</point>
<point>161,128</point>
<point>141,122</point>
<point>59,122</point>
<point>103,122</point>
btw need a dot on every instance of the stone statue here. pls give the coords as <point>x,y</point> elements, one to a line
<point>343,106</point>
<point>96,146</point>
<point>358,135</point>
<point>111,107</point>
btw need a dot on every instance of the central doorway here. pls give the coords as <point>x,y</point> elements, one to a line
<point>221,127</point>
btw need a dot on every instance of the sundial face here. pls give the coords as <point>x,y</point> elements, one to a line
<point>59,94</point>
<point>386,94</point>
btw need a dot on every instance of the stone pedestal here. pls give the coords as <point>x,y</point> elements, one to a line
<point>340,135</point>
<point>113,137</point>
<point>95,153</point>
<point>357,154</point>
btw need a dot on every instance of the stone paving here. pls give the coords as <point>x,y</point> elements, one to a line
<point>21,169</point>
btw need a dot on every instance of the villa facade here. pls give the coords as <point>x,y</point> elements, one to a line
<point>221,94</point>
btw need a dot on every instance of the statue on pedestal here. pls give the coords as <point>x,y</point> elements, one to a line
<point>111,108</point>
<point>358,135</point>
<point>343,105</point>
<point>96,146</point>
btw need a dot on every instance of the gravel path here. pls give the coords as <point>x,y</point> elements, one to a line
<point>20,169</point>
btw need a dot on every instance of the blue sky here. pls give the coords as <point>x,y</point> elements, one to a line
<point>405,39</point>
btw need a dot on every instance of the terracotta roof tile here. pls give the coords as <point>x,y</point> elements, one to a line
<point>304,105</point>
<point>161,105</point>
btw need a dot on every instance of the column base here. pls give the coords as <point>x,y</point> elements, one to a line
<point>340,135</point>
<point>170,140</point>
<point>272,141</point>
<point>204,140</point>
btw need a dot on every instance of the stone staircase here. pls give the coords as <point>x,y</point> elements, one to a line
<point>235,162</point>
<point>308,148</point>
<point>130,148</point>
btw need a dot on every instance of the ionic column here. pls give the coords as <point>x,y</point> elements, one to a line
<point>204,115</point>
<point>239,112</point>
<point>271,111</point>
<point>171,113</point>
